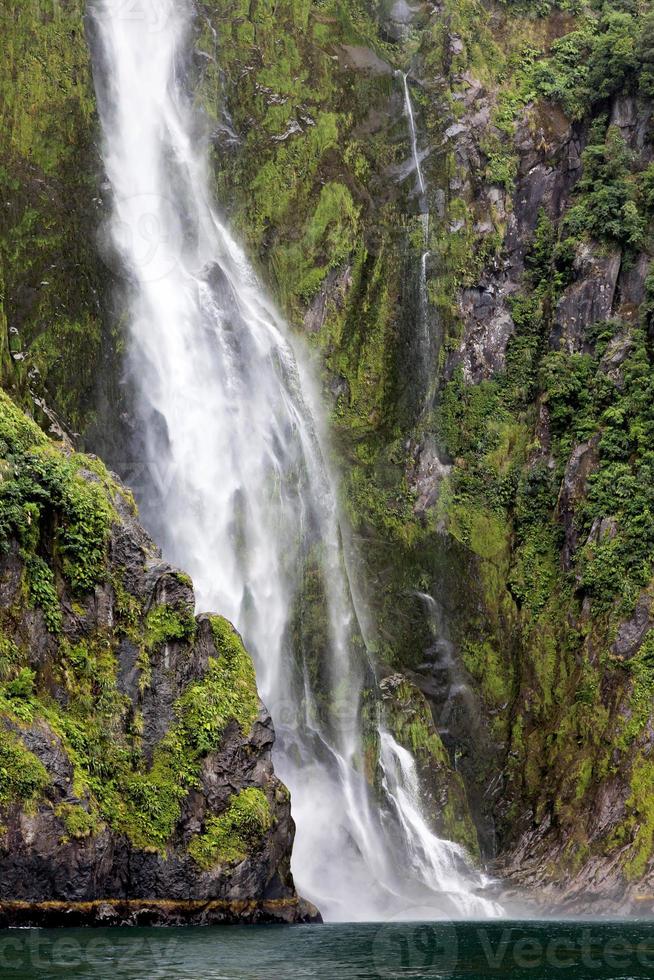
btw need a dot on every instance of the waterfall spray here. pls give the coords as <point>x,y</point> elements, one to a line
<point>246,502</point>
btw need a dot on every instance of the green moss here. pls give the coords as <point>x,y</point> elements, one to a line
<point>17,430</point>
<point>641,820</point>
<point>458,826</point>
<point>58,507</point>
<point>411,723</point>
<point>638,673</point>
<point>489,670</point>
<point>234,834</point>
<point>144,801</point>
<point>165,623</point>
<point>78,822</point>
<point>228,692</point>
<point>51,271</point>
<point>23,778</point>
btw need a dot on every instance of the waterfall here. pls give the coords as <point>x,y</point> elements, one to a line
<point>413,134</point>
<point>236,487</point>
<point>424,338</point>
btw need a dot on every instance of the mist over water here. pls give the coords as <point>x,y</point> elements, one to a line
<point>237,491</point>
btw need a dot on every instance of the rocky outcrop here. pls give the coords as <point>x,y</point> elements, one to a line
<point>136,781</point>
<point>572,492</point>
<point>588,300</point>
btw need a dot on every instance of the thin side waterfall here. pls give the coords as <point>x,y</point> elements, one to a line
<point>236,488</point>
<point>408,109</point>
<point>424,334</point>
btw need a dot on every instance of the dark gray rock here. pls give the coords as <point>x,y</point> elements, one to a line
<point>632,632</point>
<point>631,286</point>
<point>488,326</point>
<point>588,300</point>
<point>583,460</point>
<point>104,877</point>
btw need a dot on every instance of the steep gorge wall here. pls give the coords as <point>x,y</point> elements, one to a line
<point>495,455</point>
<point>518,496</point>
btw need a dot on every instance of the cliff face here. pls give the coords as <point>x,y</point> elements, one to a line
<point>489,368</point>
<point>52,280</point>
<point>136,782</point>
<point>493,420</point>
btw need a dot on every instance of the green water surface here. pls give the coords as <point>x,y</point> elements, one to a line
<point>615,950</point>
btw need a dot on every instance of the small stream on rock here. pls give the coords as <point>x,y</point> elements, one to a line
<point>237,490</point>
<point>424,339</point>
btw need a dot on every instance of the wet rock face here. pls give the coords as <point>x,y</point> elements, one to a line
<point>633,631</point>
<point>136,780</point>
<point>441,788</point>
<point>573,770</point>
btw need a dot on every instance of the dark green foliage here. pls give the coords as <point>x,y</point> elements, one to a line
<point>607,203</point>
<point>43,591</point>
<point>22,776</point>
<point>165,623</point>
<point>646,55</point>
<point>609,53</point>
<point>230,837</point>
<point>564,77</point>
<point>48,506</point>
<point>583,400</point>
<point>227,692</point>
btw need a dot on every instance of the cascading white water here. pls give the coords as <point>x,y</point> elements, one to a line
<point>413,134</point>
<point>424,337</point>
<point>236,486</point>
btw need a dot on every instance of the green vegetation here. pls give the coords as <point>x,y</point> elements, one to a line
<point>609,53</point>
<point>234,834</point>
<point>227,692</point>
<point>412,725</point>
<point>165,624</point>
<point>606,207</point>
<point>50,271</point>
<point>56,514</point>
<point>144,800</point>
<point>78,822</point>
<point>23,777</point>
<point>52,510</point>
<point>309,184</point>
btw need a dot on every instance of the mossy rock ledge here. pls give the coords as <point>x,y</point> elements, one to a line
<point>136,781</point>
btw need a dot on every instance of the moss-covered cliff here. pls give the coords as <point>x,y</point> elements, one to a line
<point>51,276</point>
<point>492,423</point>
<point>136,782</point>
<point>495,440</point>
